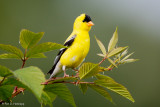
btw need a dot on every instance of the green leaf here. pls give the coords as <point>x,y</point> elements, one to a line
<point>83,88</point>
<point>99,54</point>
<point>101,46</point>
<point>45,99</point>
<point>29,39</point>
<point>32,77</point>
<point>44,47</point>
<point>102,77</point>
<point>101,91</point>
<point>110,84</point>
<point>6,92</point>
<point>4,72</point>
<point>11,49</point>
<point>9,56</point>
<point>88,70</point>
<point>1,78</point>
<point>51,95</point>
<point>13,82</point>
<point>39,55</point>
<point>116,51</point>
<point>129,60</point>
<point>102,69</point>
<point>124,52</point>
<point>126,57</point>
<point>112,62</point>
<point>61,91</point>
<point>113,41</point>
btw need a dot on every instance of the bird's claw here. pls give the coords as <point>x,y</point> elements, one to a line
<point>65,75</point>
<point>77,82</point>
<point>77,74</point>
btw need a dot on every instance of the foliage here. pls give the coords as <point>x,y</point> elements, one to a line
<point>25,76</point>
<point>33,79</point>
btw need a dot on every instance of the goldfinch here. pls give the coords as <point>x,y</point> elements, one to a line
<point>78,44</point>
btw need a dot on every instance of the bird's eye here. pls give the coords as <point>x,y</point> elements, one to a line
<point>87,18</point>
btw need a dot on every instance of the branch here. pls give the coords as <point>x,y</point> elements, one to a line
<point>54,80</point>
<point>24,59</point>
<point>110,67</point>
<point>103,59</point>
<point>46,83</point>
<point>17,91</point>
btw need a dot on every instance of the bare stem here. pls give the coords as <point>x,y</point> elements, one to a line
<point>46,83</point>
<point>102,61</point>
<point>24,59</point>
<point>17,91</point>
<point>23,63</point>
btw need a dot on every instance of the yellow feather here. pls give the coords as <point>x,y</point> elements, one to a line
<point>76,53</point>
<point>78,49</point>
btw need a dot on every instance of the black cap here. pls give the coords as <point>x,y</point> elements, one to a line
<point>87,18</point>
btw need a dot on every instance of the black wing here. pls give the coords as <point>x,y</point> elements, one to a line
<point>62,50</point>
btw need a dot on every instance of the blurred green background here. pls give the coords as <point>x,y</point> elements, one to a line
<point>138,27</point>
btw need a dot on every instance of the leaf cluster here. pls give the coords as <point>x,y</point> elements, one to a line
<point>33,79</point>
<point>29,41</point>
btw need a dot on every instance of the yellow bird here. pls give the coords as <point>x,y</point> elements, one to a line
<point>78,44</point>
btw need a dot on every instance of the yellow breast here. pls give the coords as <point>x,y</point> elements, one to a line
<point>76,53</point>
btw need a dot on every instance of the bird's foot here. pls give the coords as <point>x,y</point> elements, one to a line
<point>77,74</point>
<point>76,70</point>
<point>65,75</point>
<point>77,82</point>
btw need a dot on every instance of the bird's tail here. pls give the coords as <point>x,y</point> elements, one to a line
<point>56,69</point>
<point>51,71</point>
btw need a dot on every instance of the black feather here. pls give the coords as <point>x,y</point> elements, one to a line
<point>57,59</point>
<point>62,50</point>
<point>87,18</point>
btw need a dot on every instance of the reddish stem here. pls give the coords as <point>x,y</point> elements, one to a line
<point>103,60</point>
<point>24,59</point>
<point>46,83</point>
<point>17,91</point>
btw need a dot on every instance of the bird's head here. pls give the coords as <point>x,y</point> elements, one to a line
<point>83,22</point>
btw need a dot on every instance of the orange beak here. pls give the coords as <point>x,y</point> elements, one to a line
<point>90,23</point>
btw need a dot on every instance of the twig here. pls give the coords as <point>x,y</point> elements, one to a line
<point>24,59</point>
<point>17,91</point>
<point>56,78</point>
<point>110,67</point>
<point>46,83</point>
<point>103,59</point>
